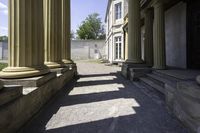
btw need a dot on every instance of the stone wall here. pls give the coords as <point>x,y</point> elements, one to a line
<point>3,50</point>
<point>175,30</point>
<point>87,49</point>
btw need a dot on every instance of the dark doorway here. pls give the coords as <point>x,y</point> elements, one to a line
<point>193,28</point>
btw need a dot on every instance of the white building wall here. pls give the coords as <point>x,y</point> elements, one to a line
<point>175,30</point>
<point>114,28</point>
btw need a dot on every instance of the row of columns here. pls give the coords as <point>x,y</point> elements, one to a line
<point>154,35</point>
<point>39,33</point>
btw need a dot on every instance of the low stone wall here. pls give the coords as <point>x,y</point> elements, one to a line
<point>15,114</point>
<point>87,49</point>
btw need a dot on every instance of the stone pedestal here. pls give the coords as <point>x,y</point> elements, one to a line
<point>66,32</point>
<point>53,33</point>
<point>134,33</point>
<point>159,35</point>
<point>125,70</point>
<point>26,36</point>
<point>30,82</point>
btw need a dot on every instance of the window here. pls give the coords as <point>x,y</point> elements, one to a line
<point>118,11</point>
<point>118,47</point>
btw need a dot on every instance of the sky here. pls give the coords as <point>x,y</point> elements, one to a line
<point>80,9</point>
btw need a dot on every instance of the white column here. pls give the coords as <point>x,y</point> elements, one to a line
<point>148,42</point>
<point>66,32</point>
<point>159,35</point>
<point>134,32</point>
<point>53,33</point>
<point>26,40</point>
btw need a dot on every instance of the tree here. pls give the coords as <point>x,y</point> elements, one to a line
<point>3,38</point>
<point>91,28</point>
<point>72,35</point>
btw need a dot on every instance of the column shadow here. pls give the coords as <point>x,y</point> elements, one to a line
<point>149,117</point>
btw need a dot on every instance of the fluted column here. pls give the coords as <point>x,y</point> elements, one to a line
<point>66,32</point>
<point>159,35</point>
<point>26,36</point>
<point>53,33</point>
<point>126,45</point>
<point>134,32</point>
<point>148,42</point>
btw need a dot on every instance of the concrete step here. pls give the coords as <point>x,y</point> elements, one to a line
<point>162,80</point>
<point>10,93</point>
<point>152,83</point>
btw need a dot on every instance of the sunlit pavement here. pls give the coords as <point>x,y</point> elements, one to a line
<point>102,101</point>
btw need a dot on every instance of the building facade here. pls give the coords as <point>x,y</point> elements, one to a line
<point>162,51</point>
<point>114,20</point>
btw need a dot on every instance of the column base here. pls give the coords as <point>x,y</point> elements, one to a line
<point>22,72</point>
<point>198,79</point>
<point>159,67</point>
<point>68,61</point>
<point>125,71</point>
<point>53,65</point>
<point>134,61</point>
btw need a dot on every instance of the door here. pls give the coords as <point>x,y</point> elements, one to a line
<point>193,27</point>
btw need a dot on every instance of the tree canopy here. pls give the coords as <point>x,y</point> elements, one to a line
<point>91,28</point>
<point>3,38</point>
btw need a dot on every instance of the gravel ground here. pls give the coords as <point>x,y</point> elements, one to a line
<point>101,101</point>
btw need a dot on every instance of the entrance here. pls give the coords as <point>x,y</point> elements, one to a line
<point>193,34</point>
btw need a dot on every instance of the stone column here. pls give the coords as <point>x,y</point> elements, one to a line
<point>53,33</point>
<point>159,35</point>
<point>148,42</point>
<point>126,44</point>
<point>66,32</point>
<point>134,32</point>
<point>26,36</point>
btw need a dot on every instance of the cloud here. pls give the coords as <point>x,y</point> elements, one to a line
<point>3,31</point>
<point>3,9</point>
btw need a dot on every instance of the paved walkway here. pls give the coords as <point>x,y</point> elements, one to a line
<point>102,101</point>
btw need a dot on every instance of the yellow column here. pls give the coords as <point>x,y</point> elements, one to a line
<point>53,33</point>
<point>148,42</point>
<point>66,32</point>
<point>134,32</point>
<point>159,35</point>
<point>26,36</point>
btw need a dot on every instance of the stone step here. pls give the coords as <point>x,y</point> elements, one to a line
<point>10,93</point>
<point>166,76</point>
<point>151,83</point>
<point>161,80</point>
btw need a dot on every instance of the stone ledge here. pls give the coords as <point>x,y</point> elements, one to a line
<point>15,114</point>
<point>30,82</point>
<point>10,93</point>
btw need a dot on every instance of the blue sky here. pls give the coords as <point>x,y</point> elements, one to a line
<point>80,9</point>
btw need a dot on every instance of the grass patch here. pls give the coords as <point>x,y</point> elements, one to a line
<point>3,65</point>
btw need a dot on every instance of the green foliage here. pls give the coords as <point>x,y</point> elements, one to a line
<point>3,38</point>
<point>91,28</point>
<point>3,65</point>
